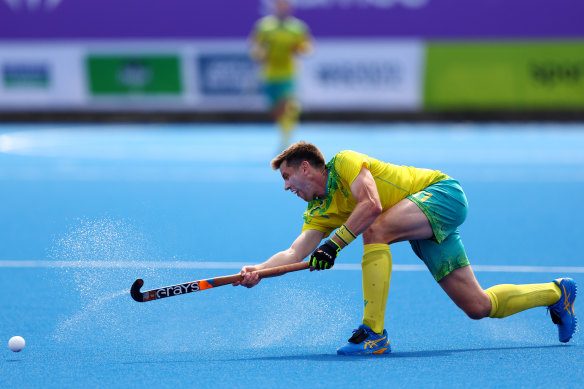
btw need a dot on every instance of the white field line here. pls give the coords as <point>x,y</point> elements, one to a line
<point>239,265</point>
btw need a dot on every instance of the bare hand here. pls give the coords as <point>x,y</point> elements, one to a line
<point>250,279</point>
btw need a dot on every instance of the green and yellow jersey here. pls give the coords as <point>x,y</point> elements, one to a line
<point>281,39</point>
<point>394,183</point>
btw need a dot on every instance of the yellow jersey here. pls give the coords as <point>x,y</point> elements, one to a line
<point>394,183</point>
<point>280,39</point>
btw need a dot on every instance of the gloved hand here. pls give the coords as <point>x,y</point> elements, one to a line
<point>324,257</point>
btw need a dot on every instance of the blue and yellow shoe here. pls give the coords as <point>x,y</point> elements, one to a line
<point>562,312</point>
<point>365,341</point>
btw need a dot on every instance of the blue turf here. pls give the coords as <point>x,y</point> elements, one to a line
<point>179,193</point>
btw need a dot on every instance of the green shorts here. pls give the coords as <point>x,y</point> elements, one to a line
<point>278,90</point>
<point>445,205</point>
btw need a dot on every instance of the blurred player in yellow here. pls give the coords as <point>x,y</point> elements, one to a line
<point>355,194</point>
<point>276,41</point>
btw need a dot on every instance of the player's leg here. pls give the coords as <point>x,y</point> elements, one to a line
<point>464,290</point>
<point>376,270</point>
<point>558,296</point>
<point>371,337</point>
<point>448,264</point>
<point>408,220</point>
<point>286,110</point>
<point>498,301</point>
<point>287,121</point>
<point>276,94</point>
<point>445,205</point>
<point>505,300</point>
<point>401,222</point>
<point>278,109</point>
<point>446,258</point>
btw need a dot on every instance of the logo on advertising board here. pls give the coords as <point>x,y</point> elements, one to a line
<point>551,73</point>
<point>25,75</point>
<point>372,75</point>
<point>358,74</point>
<point>140,75</point>
<point>32,5</point>
<point>228,74</point>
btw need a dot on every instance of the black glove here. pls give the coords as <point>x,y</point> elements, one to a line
<point>324,257</point>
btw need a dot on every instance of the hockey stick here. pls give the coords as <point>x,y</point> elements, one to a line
<point>195,286</point>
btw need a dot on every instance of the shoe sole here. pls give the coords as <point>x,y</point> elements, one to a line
<point>381,351</point>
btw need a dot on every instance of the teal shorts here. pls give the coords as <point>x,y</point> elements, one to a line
<point>277,91</point>
<point>444,204</point>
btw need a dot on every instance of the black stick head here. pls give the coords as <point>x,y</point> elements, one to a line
<point>135,291</point>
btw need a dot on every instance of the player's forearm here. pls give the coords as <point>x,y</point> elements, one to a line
<point>304,48</point>
<point>257,53</point>
<point>361,218</point>
<point>285,257</point>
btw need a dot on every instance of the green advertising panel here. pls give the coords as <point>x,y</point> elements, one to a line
<point>142,75</point>
<point>544,75</point>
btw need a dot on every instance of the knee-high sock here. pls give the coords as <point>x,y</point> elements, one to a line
<point>507,300</point>
<point>376,267</point>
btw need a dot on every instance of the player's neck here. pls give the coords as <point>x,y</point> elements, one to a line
<point>322,183</point>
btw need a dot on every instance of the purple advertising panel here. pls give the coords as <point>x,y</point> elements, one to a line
<point>201,19</point>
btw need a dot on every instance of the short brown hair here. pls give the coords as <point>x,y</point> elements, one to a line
<point>298,152</point>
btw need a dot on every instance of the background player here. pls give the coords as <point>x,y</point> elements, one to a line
<point>386,204</point>
<point>276,40</point>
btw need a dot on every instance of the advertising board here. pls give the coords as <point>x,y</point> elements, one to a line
<point>505,76</point>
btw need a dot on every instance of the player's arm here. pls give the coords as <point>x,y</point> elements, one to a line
<point>257,51</point>
<point>306,242</point>
<point>368,207</point>
<point>300,249</point>
<point>305,43</point>
<point>257,48</point>
<point>305,46</point>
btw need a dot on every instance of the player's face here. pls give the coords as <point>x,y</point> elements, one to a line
<point>296,181</point>
<point>283,8</point>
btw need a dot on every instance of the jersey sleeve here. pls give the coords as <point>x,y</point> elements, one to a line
<point>260,27</point>
<point>257,31</point>
<point>348,165</point>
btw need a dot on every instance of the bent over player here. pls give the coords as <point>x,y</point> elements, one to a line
<point>385,203</point>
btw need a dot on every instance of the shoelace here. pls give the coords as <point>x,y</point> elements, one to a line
<point>567,301</point>
<point>359,335</point>
<point>555,312</point>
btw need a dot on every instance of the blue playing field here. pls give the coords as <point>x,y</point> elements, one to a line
<point>87,209</point>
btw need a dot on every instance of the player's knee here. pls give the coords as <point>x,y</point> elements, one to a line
<point>475,315</point>
<point>374,234</point>
<point>476,311</point>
